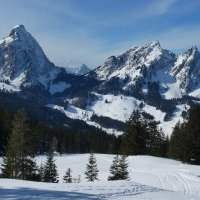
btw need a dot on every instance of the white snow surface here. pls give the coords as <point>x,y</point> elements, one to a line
<point>121,107</point>
<point>150,178</point>
<point>74,112</point>
<point>8,87</point>
<point>116,107</point>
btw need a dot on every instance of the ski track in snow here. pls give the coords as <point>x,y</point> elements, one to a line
<point>150,178</point>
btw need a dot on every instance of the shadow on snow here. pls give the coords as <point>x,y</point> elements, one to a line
<point>33,194</point>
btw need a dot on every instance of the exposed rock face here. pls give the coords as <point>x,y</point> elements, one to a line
<point>22,60</point>
<point>146,78</point>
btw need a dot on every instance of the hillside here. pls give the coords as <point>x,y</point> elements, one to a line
<point>150,178</point>
<point>147,78</point>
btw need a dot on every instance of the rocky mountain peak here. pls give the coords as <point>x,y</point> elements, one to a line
<point>153,44</point>
<point>18,31</point>
<point>22,60</point>
<point>135,62</point>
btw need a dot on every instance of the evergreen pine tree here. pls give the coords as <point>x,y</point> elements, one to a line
<point>185,140</point>
<point>8,167</point>
<point>41,172</point>
<point>134,140</point>
<point>114,169</point>
<point>91,169</point>
<point>19,159</point>
<point>123,168</point>
<point>50,171</point>
<point>143,136</point>
<point>68,177</point>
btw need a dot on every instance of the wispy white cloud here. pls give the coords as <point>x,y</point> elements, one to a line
<point>155,8</point>
<point>74,40</point>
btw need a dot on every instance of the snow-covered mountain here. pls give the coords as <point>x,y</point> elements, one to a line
<point>176,75</point>
<point>136,62</point>
<point>146,78</point>
<point>187,71</point>
<point>23,62</point>
<point>78,70</point>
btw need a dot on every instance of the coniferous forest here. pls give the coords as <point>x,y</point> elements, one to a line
<point>142,137</point>
<point>22,139</point>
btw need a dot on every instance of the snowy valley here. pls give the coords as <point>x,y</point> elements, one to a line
<point>151,178</point>
<point>100,100</point>
<point>147,78</point>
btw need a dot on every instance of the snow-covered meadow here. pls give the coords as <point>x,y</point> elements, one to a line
<point>150,178</point>
<point>108,106</point>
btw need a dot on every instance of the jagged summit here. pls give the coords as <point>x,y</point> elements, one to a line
<point>176,75</point>
<point>153,44</point>
<point>17,30</point>
<point>22,60</point>
<point>19,33</point>
<point>147,77</point>
<point>133,62</point>
<point>187,70</point>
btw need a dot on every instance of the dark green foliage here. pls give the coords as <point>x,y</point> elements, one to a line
<point>50,169</point>
<point>68,177</point>
<point>41,173</point>
<point>5,129</point>
<point>123,166</point>
<point>143,137</point>
<point>114,169</point>
<point>119,168</point>
<point>185,139</point>
<point>134,140</point>
<point>177,148</point>
<point>19,159</point>
<point>66,139</point>
<point>91,169</point>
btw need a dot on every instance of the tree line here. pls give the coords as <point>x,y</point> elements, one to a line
<point>65,139</point>
<point>24,139</point>
<point>24,167</point>
<point>142,136</point>
<point>185,140</point>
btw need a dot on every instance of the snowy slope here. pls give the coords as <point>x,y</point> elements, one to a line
<point>22,60</point>
<point>16,190</point>
<point>74,112</point>
<point>121,107</point>
<point>139,65</point>
<point>187,70</point>
<point>146,78</point>
<point>151,178</point>
<point>177,75</point>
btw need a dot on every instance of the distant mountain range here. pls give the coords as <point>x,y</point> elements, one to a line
<point>147,78</point>
<point>78,70</point>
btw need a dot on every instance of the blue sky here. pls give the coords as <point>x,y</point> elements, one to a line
<point>87,31</point>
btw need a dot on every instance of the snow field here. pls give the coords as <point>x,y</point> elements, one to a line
<point>151,178</point>
<point>120,108</point>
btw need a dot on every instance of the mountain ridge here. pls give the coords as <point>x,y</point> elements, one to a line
<point>147,78</point>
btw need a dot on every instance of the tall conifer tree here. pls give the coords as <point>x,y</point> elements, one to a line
<point>91,169</point>
<point>50,169</point>
<point>19,160</point>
